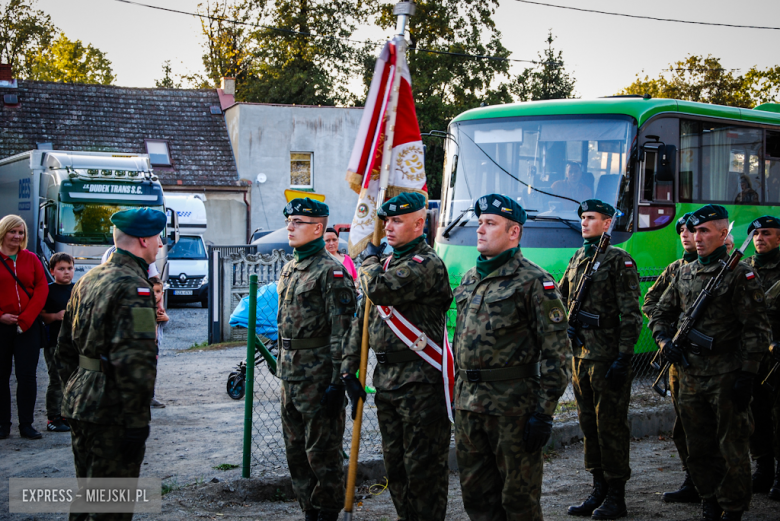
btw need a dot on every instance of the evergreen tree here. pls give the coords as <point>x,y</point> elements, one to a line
<point>547,80</point>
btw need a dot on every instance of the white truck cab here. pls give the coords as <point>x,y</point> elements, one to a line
<point>188,259</point>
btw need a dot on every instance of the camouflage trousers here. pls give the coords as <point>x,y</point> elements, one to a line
<point>603,415</point>
<point>98,452</point>
<point>678,433</point>
<point>718,439</point>
<point>314,446</point>
<point>499,479</point>
<point>765,440</point>
<point>415,446</point>
<point>54,390</point>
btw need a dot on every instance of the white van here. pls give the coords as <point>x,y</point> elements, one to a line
<point>188,279</point>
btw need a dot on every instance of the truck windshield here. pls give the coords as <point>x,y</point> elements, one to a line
<point>89,221</point>
<point>548,164</point>
<point>188,248</point>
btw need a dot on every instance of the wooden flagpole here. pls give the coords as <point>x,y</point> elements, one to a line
<point>403,10</point>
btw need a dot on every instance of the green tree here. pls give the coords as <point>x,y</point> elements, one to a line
<point>445,85</point>
<point>697,78</point>
<point>167,81</point>
<point>547,80</point>
<point>24,31</point>
<point>70,61</point>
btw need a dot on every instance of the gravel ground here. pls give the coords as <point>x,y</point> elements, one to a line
<point>201,428</point>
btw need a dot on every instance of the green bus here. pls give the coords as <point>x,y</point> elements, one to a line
<point>654,159</point>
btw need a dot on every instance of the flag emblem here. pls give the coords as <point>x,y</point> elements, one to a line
<point>750,276</point>
<point>338,274</point>
<point>629,263</point>
<point>145,292</point>
<point>548,285</point>
<point>417,258</point>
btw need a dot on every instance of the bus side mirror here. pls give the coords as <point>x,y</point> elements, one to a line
<point>666,156</point>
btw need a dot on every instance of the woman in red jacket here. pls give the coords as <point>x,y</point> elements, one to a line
<point>21,332</point>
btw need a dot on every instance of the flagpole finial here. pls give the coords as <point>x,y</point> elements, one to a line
<point>403,10</point>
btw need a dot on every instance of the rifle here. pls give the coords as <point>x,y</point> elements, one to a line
<point>577,317</point>
<point>686,334</point>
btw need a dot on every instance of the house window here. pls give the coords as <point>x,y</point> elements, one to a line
<point>158,153</point>
<point>300,170</point>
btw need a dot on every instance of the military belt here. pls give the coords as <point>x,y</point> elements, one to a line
<point>90,364</point>
<point>515,372</point>
<point>294,344</point>
<point>397,357</point>
<point>593,321</point>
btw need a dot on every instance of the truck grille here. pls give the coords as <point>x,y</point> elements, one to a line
<point>191,282</point>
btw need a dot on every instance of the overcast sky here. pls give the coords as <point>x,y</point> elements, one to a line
<point>603,53</point>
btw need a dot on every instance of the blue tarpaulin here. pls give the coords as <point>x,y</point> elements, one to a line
<point>267,308</point>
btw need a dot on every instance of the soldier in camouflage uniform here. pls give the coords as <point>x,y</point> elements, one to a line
<point>410,398</point>
<point>513,360</point>
<point>766,265</point>
<point>687,492</point>
<point>602,361</point>
<point>715,390</point>
<point>773,312</point>
<point>316,305</point>
<point>106,355</point>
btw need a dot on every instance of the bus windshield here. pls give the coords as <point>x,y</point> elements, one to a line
<point>548,164</point>
<point>90,221</point>
<point>188,247</point>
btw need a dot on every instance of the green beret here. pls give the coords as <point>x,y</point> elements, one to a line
<point>705,214</point>
<point>766,221</point>
<point>501,205</point>
<point>596,205</point>
<point>681,222</point>
<point>140,222</point>
<point>308,207</point>
<point>404,203</point>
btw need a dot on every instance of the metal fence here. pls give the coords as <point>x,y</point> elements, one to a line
<point>268,453</point>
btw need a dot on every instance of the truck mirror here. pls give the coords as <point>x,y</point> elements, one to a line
<point>173,232</point>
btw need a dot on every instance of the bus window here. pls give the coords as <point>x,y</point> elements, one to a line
<point>719,163</point>
<point>772,168</point>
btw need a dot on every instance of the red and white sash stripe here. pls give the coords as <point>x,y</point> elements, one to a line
<point>438,358</point>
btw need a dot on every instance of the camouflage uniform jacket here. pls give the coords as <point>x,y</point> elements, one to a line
<point>663,281</point>
<point>510,318</point>
<point>316,300</point>
<point>769,275</point>
<point>111,312</point>
<point>614,294</point>
<point>736,318</point>
<point>418,287</point>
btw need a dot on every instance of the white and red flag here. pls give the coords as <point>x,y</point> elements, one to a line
<point>407,169</point>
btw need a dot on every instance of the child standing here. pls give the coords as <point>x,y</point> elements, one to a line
<point>162,318</point>
<point>61,266</point>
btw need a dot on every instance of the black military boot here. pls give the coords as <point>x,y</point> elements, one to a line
<point>614,505</point>
<point>732,516</point>
<point>328,516</point>
<point>311,515</point>
<point>775,492</point>
<point>686,493</point>
<point>595,499</point>
<point>710,510</point>
<point>764,474</point>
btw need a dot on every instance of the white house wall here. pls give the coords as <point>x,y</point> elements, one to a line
<point>263,136</point>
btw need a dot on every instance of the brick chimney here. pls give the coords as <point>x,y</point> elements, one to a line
<point>5,72</point>
<point>227,92</point>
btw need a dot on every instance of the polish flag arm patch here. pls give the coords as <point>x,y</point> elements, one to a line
<point>629,264</point>
<point>417,258</point>
<point>145,292</point>
<point>548,285</point>
<point>750,276</point>
<point>338,274</point>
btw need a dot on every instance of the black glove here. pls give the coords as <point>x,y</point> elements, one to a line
<point>333,401</point>
<point>354,390</point>
<point>537,431</point>
<point>618,371</point>
<point>571,332</point>
<point>743,390</point>
<point>374,251</point>
<point>774,348</point>
<point>669,350</point>
<point>134,441</point>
